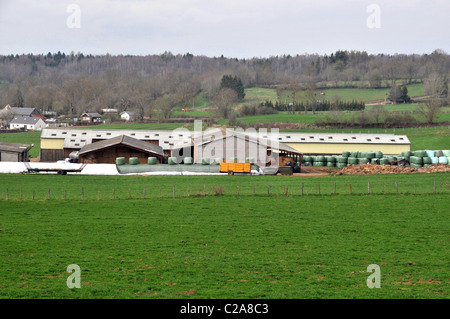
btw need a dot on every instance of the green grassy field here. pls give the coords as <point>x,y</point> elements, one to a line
<point>345,94</point>
<point>281,247</point>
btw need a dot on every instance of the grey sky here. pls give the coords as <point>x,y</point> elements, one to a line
<point>234,28</point>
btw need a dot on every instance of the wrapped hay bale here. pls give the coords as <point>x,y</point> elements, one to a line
<point>205,161</point>
<point>346,154</point>
<point>420,153</point>
<point>120,161</point>
<point>443,159</point>
<point>188,161</point>
<point>133,161</point>
<point>352,160</point>
<point>426,160</point>
<point>342,160</point>
<point>429,153</point>
<point>172,161</point>
<point>151,161</point>
<point>416,160</point>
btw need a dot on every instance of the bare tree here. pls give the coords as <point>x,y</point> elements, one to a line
<point>224,102</point>
<point>436,85</point>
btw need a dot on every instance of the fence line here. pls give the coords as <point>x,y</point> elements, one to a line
<point>251,190</point>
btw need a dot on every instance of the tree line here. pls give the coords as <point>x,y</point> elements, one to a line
<point>153,85</point>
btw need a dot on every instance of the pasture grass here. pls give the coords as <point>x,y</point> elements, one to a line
<point>279,247</point>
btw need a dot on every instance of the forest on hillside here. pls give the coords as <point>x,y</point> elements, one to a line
<point>152,85</point>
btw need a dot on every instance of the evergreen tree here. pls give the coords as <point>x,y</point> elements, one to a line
<point>234,83</point>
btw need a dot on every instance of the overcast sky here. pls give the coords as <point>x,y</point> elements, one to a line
<point>234,28</point>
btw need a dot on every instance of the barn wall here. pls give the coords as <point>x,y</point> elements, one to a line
<point>48,155</point>
<point>337,148</point>
<point>52,144</point>
<point>109,155</point>
<point>7,156</point>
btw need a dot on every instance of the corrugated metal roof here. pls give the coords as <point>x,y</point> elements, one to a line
<point>123,140</point>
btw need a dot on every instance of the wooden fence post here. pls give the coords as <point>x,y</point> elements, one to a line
<point>303,184</point>
<point>98,195</point>
<point>434,187</point>
<point>114,193</point>
<point>319,188</point>
<point>350,188</point>
<point>237,191</point>
<point>144,192</point>
<point>7,194</point>
<point>21,193</point>
<point>48,196</point>
<point>396,186</point>
<point>268,190</point>
<point>334,188</point>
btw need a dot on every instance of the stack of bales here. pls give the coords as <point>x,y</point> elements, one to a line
<point>308,159</point>
<point>319,161</point>
<point>424,158</point>
<point>331,161</point>
<point>342,160</point>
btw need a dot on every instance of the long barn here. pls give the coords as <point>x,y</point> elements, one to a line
<point>58,144</point>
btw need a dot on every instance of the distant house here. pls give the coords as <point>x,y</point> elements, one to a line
<point>91,117</point>
<point>11,152</point>
<point>27,122</point>
<point>128,115</point>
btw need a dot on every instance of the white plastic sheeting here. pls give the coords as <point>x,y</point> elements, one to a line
<point>89,169</point>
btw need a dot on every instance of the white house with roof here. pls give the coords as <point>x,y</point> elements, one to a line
<point>31,123</point>
<point>128,115</point>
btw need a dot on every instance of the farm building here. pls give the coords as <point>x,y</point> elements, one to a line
<point>336,143</point>
<point>57,144</point>
<point>107,151</point>
<point>90,117</point>
<point>11,152</point>
<point>128,115</point>
<point>234,146</point>
<point>32,123</point>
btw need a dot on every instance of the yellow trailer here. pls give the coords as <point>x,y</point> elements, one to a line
<point>232,168</point>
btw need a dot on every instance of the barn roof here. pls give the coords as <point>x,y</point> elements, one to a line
<point>123,140</point>
<point>13,147</point>
<point>30,120</point>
